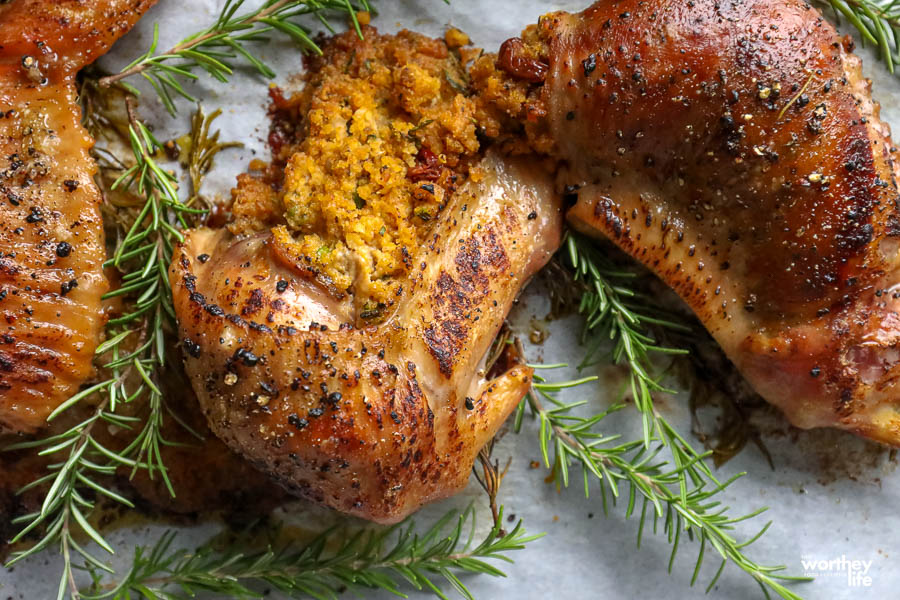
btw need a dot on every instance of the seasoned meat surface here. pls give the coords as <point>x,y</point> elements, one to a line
<point>51,232</point>
<point>734,148</point>
<point>336,331</point>
<point>373,421</point>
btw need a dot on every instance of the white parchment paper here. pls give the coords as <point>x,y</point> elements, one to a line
<point>831,496</point>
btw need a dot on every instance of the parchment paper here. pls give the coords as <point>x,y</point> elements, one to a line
<point>831,496</point>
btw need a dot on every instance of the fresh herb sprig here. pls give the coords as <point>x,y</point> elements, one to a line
<point>654,486</point>
<point>218,48</point>
<point>322,569</point>
<point>878,23</point>
<point>683,493</point>
<point>200,151</point>
<point>615,312</point>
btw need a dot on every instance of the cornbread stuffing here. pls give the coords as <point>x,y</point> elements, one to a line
<point>385,129</point>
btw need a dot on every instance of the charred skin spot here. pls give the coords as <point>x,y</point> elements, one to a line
<point>455,298</point>
<point>191,347</point>
<point>254,303</point>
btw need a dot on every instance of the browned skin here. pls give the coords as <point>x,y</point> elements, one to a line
<point>51,232</point>
<point>206,476</point>
<point>373,422</point>
<point>733,147</point>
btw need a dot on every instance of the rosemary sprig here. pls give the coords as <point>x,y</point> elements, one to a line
<point>615,312</point>
<point>878,23</point>
<point>322,569</point>
<point>682,494</point>
<point>229,39</point>
<point>653,484</point>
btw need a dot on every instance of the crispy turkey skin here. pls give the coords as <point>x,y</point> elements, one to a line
<point>734,148</point>
<point>373,421</point>
<point>51,232</point>
<point>336,331</point>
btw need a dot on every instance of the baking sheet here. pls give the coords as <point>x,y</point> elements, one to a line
<point>832,497</point>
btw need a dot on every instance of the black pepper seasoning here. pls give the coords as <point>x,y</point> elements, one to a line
<point>67,287</point>
<point>589,64</point>
<point>35,216</point>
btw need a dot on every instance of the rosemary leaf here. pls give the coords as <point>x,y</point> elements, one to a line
<point>219,49</point>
